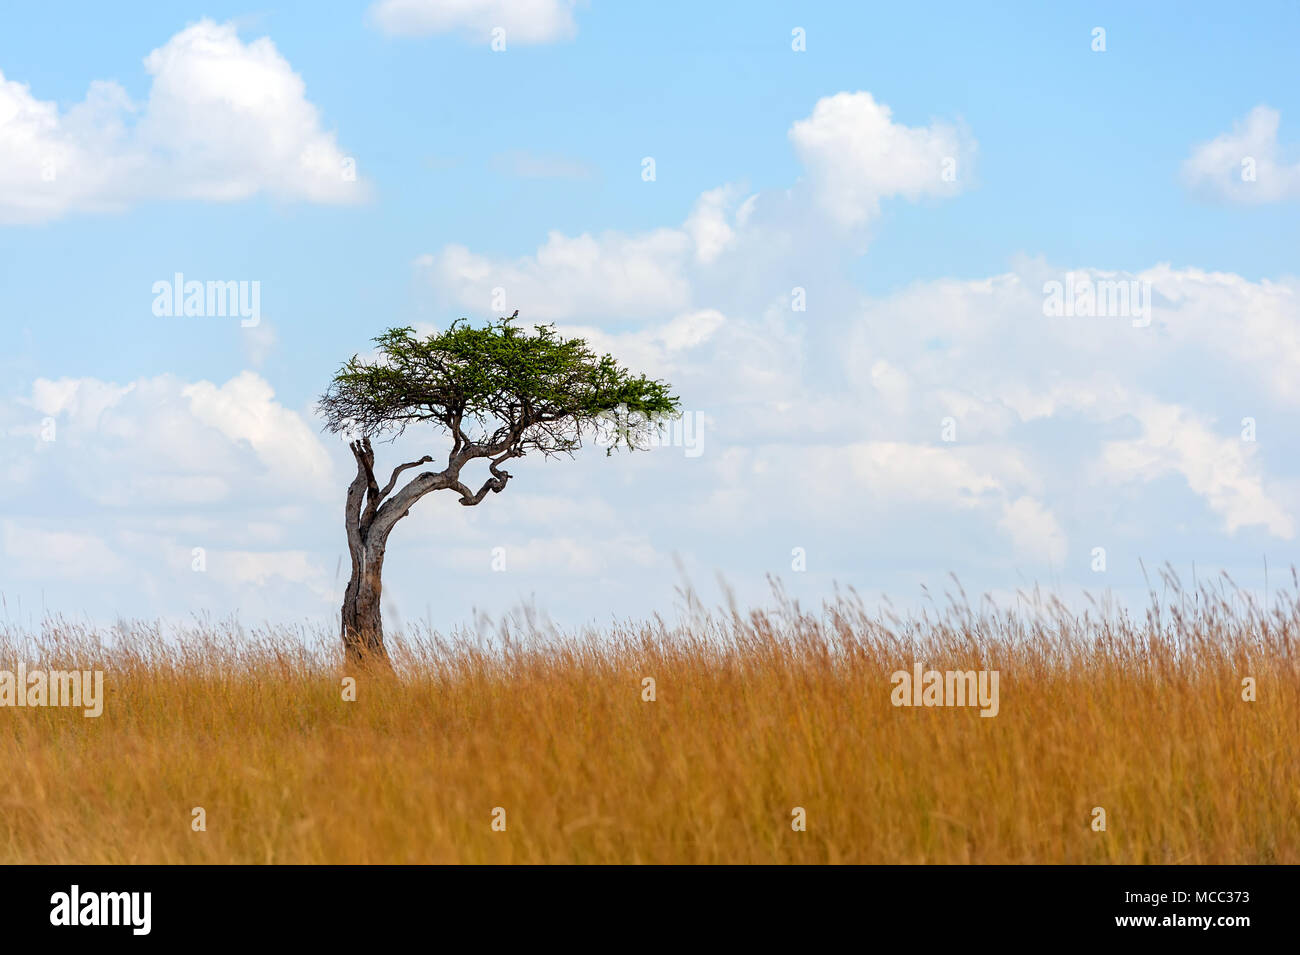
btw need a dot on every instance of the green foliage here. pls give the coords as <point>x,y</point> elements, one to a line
<point>493,388</point>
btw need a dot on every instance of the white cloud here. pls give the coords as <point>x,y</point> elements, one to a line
<point>591,556</point>
<point>615,276</point>
<point>659,349</point>
<point>256,568</point>
<point>244,410</point>
<point>160,441</point>
<point>1247,164</point>
<point>524,21</point>
<point>1034,531</point>
<point>984,353</point>
<point>83,399</point>
<point>38,553</point>
<point>1047,408</point>
<point>708,224</point>
<point>142,478</point>
<point>824,423</point>
<point>1257,324</point>
<point>857,490</point>
<point>224,120</point>
<point>893,470</point>
<point>856,155</point>
<point>1216,467</point>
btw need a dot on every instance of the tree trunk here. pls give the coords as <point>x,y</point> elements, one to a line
<point>363,627</point>
<point>369,516</point>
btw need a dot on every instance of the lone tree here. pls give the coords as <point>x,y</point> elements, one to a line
<point>498,392</point>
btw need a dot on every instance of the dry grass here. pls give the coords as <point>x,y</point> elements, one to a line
<point>754,715</point>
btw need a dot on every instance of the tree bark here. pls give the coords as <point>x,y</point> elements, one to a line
<point>363,627</point>
<point>362,622</point>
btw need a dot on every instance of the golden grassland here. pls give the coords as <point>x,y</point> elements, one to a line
<point>754,715</point>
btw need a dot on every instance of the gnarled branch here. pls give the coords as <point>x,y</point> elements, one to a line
<point>392,482</point>
<point>496,483</point>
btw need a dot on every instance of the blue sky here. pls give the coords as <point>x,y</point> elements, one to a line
<point>774,169</point>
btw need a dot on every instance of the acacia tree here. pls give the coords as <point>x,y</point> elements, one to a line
<point>497,392</point>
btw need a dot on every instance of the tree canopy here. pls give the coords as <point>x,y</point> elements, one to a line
<point>494,389</point>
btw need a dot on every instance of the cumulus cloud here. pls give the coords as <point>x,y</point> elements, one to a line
<point>244,410</point>
<point>710,224</point>
<point>172,489</point>
<point>984,353</point>
<point>614,276</point>
<point>857,155</point>
<point>1247,164</point>
<point>41,554</point>
<point>224,120</point>
<point>1034,531</point>
<point>958,421</point>
<point>1216,467</point>
<point>524,21</point>
<point>1042,408</point>
<point>862,484</point>
<point>660,348</point>
<point>850,413</point>
<point>164,440</point>
<point>562,555</point>
<point>1056,419</point>
<point>256,568</point>
<point>969,405</point>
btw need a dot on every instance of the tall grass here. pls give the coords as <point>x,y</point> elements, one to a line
<point>755,714</point>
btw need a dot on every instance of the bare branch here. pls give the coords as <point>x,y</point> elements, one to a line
<point>496,483</point>
<point>356,491</point>
<point>365,456</point>
<point>397,506</point>
<point>392,482</point>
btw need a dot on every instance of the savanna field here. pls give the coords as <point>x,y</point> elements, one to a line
<point>754,714</point>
